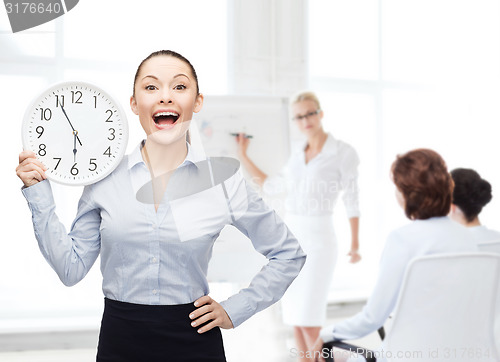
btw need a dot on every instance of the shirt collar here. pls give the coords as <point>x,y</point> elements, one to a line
<point>330,147</point>
<point>135,157</point>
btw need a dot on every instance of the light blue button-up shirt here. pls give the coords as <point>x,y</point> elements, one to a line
<point>161,257</point>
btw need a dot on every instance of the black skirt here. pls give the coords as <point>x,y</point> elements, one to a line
<point>155,333</point>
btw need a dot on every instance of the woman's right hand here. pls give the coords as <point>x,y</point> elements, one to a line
<point>243,143</point>
<point>30,170</point>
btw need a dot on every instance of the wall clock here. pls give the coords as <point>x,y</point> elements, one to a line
<point>77,130</point>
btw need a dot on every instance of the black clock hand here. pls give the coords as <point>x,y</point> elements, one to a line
<point>74,145</point>
<point>71,126</point>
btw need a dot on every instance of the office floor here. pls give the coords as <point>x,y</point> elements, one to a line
<point>263,338</point>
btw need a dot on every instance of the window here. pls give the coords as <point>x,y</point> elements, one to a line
<point>343,41</point>
<point>395,75</point>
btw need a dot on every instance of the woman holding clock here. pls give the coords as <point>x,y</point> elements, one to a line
<point>155,251</point>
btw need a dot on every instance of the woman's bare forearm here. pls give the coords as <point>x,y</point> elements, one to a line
<point>258,176</point>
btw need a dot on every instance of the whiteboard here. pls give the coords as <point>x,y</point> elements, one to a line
<point>263,117</point>
<point>266,119</point>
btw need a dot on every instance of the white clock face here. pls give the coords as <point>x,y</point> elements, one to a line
<point>78,131</point>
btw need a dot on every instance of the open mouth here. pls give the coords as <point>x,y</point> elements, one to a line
<point>165,118</point>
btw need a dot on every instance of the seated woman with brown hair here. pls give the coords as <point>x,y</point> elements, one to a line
<point>424,190</point>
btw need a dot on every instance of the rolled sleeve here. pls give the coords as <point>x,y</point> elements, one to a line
<point>270,237</point>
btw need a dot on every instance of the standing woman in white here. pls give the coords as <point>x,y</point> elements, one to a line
<point>315,175</point>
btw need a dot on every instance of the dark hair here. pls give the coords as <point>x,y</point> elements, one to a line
<point>423,179</point>
<point>471,192</point>
<point>168,53</point>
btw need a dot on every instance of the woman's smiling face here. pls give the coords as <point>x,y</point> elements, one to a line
<point>165,97</point>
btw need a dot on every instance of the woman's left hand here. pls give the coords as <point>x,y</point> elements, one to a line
<point>209,310</point>
<point>355,256</point>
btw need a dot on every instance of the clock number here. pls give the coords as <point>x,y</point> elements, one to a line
<point>59,102</point>
<point>39,130</point>
<point>77,93</point>
<point>95,101</point>
<point>112,134</point>
<point>110,115</point>
<point>41,149</point>
<point>45,114</point>
<point>57,164</point>
<point>108,152</point>
<point>93,164</point>
<point>74,171</point>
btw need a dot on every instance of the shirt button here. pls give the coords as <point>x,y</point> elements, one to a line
<point>155,291</point>
<point>153,260</point>
<point>154,226</point>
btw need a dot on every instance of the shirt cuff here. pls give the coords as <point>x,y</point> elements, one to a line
<point>237,309</point>
<point>39,195</point>
<point>326,334</point>
<point>352,213</point>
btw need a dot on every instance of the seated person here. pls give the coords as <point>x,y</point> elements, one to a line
<point>424,190</point>
<point>470,195</point>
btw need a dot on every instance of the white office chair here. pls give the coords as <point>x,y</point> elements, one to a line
<point>445,311</point>
<point>446,308</point>
<point>490,247</point>
<point>494,247</point>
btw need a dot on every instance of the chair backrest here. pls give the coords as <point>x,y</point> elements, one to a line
<point>490,247</point>
<point>445,310</point>
<point>494,247</point>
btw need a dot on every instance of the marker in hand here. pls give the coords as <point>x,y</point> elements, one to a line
<point>245,135</point>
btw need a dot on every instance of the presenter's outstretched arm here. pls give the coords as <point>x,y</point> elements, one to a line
<point>258,176</point>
